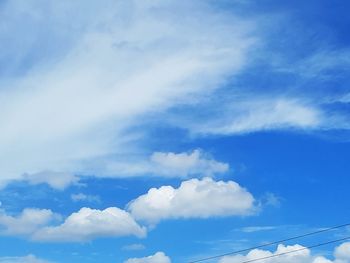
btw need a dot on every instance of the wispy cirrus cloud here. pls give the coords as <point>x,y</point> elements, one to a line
<point>97,76</point>
<point>252,229</point>
<point>263,115</point>
<point>134,247</point>
<point>81,197</point>
<point>126,65</point>
<point>25,259</point>
<point>169,164</point>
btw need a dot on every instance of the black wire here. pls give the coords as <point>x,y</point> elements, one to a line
<point>271,243</point>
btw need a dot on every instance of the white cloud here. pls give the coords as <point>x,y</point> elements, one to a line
<point>170,164</point>
<point>133,247</point>
<point>83,197</point>
<point>193,199</point>
<point>184,164</point>
<point>342,255</point>
<point>317,64</point>
<point>77,84</point>
<point>270,199</point>
<point>345,98</point>
<point>26,259</point>
<point>265,114</point>
<point>158,257</point>
<point>56,180</point>
<point>26,223</point>
<point>87,224</point>
<point>253,229</point>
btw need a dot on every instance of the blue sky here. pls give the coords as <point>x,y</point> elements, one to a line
<point>167,131</point>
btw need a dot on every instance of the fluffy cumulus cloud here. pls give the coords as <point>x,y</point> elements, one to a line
<point>74,83</point>
<point>87,224</point>
<point>26,259</point>
<point>193,199</point>
<point>302,255</point>
<point>171,164</point>
<point>158,257</point>
<point>342,253</point>
<point>27,222</point>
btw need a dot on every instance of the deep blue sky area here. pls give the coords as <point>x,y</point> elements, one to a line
<point>172,131</point>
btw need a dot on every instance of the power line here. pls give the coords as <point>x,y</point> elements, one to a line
<point>297,250</point>
<point>272,243</point>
